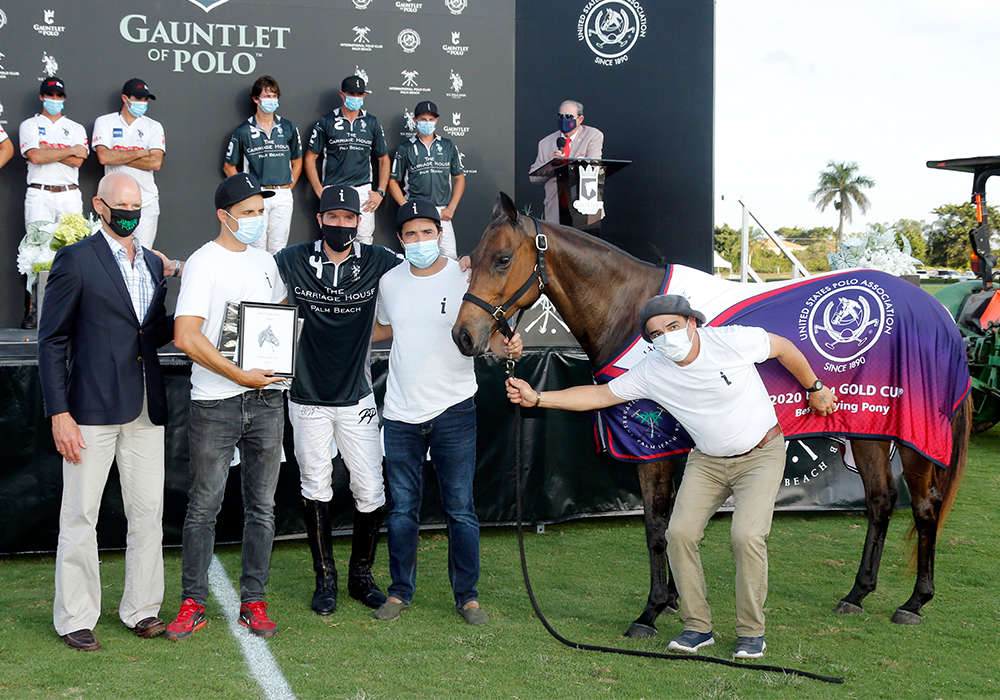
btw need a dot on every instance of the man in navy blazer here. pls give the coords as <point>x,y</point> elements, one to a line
<point>103,321</point>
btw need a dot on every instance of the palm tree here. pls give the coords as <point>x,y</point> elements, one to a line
<point>841,184</point>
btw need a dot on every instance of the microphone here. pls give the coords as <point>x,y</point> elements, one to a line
<point>561,142</point>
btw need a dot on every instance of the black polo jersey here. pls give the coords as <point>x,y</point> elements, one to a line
<point>337,303</point>
<point>267,156</point>
<point>425,172</point>
<point>347,147</point>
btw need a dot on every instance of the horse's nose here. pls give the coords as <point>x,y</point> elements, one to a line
<point>463,339</point>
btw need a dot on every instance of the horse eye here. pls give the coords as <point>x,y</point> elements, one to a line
<point>502,260</point>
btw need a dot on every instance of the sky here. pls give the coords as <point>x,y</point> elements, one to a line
<point>888,84</point>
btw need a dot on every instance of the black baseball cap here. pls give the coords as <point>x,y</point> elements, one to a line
<point>425,107</point>
<point>340,197</point>
<point>136,87</point>
<point>236,188</point>
<point>52,86</point>
<point>416,209</point>
<point>666,304</point>
<point>353,84</point>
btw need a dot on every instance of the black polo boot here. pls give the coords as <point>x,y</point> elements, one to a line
<point>360,582</point>
<point>317,519</point>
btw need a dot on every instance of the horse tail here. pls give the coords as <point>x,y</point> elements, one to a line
<point>947,480</point>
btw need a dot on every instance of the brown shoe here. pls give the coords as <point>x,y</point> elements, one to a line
<point>149,628</point>
<point>84,640</point>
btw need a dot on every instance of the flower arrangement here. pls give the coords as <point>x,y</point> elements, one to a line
<point>877,249</point>
<point>42,239</point>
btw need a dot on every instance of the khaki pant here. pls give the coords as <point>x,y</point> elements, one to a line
<point>753,480</point>
<point>138,448</point>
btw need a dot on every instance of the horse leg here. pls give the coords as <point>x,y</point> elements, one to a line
<point>656,482</point>
<point>872,458</point>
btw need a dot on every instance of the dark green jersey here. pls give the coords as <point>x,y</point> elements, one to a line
<point>267,156</point>
<point>337,303</point>
<point>347,147</point>
<point>425,172</point>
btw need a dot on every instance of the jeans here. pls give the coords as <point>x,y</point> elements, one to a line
<point>253,421</point>
<point>451,437</point>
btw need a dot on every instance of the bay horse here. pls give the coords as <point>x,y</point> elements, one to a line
<point>598,289</point>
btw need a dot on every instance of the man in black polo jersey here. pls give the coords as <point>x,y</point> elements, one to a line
<point>347,137</point>
<point>267,145</point>
<point>334,282</point>
<point>429,168</point>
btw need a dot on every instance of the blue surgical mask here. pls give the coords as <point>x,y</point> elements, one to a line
<point>269,105</point>
<point>353,103</point>
<point>53,107</point>
<point>422,254</point>
<point>137,109</point>
<point>426,127</point>
<point>249,228</point>
<point>566,125</point>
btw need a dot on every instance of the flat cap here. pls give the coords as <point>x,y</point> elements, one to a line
<point>666,304</point>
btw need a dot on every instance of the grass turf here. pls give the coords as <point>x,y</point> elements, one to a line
<point>590,578</point>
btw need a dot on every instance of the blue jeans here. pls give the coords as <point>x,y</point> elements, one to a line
<point>254,421</point>
<point>451,437</point>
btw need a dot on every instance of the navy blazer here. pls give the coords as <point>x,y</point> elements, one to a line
<point>92,350</point>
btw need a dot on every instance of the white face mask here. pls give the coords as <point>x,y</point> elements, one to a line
<point>675,345</point>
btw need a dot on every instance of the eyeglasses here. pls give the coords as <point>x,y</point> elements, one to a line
<point>567,116</point>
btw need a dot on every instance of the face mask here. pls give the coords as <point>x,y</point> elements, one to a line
<point>353,103</point>
<point>137,109</point>
<point>339,238</point>
<point>675,345</point>
<point>248,229</point>
<point>566,125</point>
<point>422,254</point>
<point>269,105</point>
<point>122,222</point>
<point>426,127</point>
<point>53,107</point>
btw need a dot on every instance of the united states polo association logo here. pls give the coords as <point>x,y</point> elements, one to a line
<point>455,7</point>
<point>611,28</point>
<point>845,320</point>
<point>408,40</point>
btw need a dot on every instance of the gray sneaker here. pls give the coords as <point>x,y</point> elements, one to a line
<point>474,615</point>
<point>691,641</point>
<point>749,647</point>
<point>390,610</point>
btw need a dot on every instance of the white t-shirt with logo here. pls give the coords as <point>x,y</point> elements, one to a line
<point>114,133</point>
<point>39,131</point>
<point>427,373</point>
<point>213,276</point>
<point>719,398</point>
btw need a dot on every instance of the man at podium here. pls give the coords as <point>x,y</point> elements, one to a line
<point>571,140</point>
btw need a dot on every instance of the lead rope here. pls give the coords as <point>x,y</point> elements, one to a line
<point>614,650</point>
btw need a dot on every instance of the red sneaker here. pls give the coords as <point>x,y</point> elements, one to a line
<point>189,620</point>
<point>254,617</point>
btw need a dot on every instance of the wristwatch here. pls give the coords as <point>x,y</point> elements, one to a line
<point>817,385</point>
<point>381,193</point>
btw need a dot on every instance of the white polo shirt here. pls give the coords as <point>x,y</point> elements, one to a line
<point>719,398</point>
<point>3,135</point>
<point>114,133</point>
<point>38,131</point>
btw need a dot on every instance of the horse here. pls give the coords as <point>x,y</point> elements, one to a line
<point>598,289</point>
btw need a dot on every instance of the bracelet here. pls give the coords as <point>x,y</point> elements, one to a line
<point>538,399</point>
<point>381,193</point>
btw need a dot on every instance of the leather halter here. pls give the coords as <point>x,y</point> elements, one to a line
<point>539,275</point>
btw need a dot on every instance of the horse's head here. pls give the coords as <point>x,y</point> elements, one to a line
<point>502,262</point>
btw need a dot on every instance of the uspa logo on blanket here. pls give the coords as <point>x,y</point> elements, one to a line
<point>845,319</point>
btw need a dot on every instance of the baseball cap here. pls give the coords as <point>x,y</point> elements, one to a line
<point>340,197</point>
<point>416,209</point>
<point>666,304</point>
<point>353,84</point>
<point>136,87</point>
<point>425,107</point>
<point>52,86</point>
<point>236,188</point>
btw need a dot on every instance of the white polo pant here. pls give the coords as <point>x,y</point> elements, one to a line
<point>40,205</point>
<point>355,429</point>
<point>277,221</point>
<point>366,222</point>
<point>145,232</point>
<point>448,245</point>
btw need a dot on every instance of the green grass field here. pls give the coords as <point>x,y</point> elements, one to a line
<point>590,579</point>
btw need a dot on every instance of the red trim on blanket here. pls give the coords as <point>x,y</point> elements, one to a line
<point>736,308</point>
<point>633,458</point>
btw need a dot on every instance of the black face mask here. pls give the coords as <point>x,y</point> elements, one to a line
<point>123,222</point>
<point>339,238</point>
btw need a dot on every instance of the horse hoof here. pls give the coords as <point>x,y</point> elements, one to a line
<point>905,617</point>
<point>637,630</point>
<point>669,609</point>
<point>845,608</point>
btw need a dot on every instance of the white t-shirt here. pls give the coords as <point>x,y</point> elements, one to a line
<point>38,131</point>
<point>427,373</point>
<point>719,398</point>
<point>3,135</point>
<point>114,133</point>
<point>212,277</point>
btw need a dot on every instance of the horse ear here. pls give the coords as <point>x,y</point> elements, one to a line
<point>505,206</point>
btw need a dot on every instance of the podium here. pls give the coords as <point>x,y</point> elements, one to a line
<point>580,188</point>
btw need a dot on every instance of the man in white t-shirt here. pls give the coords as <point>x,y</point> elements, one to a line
<point>131,142</point>
<point>6,148</point>
<point>429,404</point>
<point>707,379</point>
<point>230,407</point>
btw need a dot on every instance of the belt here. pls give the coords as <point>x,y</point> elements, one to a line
<point>53,188</point>
<point>774,432</point>
<point>276,187</point>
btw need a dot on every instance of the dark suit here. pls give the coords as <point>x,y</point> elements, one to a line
<point>92,349</point>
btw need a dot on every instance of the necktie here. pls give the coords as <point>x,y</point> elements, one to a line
<point>566,148</point>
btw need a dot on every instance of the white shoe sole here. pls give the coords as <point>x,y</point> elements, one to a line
<point>748,655</point>
<point>675,646</point>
